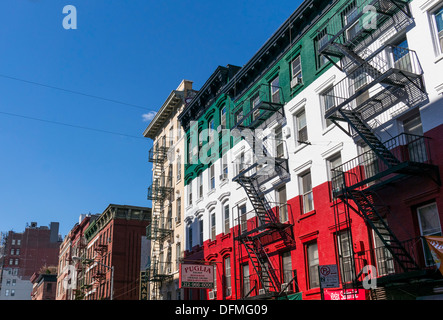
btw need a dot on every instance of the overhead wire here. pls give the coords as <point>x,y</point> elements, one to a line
<point>70,125</point>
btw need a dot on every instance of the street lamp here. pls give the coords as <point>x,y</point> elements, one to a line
<point>108,267</point>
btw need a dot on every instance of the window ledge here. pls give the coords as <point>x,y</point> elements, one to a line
<point>211,192</point>
<point>326,130</point>
<point>300,147</point>
<point>312,291</point>
<point>439,58</point>
<point>307,215</point>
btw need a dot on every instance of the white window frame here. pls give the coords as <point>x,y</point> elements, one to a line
<point>299,74</point>
<point>305,193</point>
<point>298,128</point>
<point>435,232</point>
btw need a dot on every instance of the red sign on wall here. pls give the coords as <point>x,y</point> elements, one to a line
<point>349,294</point>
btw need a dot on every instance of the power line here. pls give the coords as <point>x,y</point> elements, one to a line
<point>70,125</point>
<point>75,92</point>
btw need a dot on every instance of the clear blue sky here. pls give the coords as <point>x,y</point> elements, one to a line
<point>134,51</point>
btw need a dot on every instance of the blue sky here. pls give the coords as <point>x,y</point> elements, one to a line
<point>134,52</point>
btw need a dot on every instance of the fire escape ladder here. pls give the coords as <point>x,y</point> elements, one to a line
<point>368,211</point>
<point>369,137</point>
<point>261,263</point>
<point>261,206</point>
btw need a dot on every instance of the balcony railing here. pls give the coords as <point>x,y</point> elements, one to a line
<point>158,154</point>
<point>410,150</point>
<point>249,224</point>
<point>385,264</point>
<point>160,189</point>
<point>259,106</point>
<point>357,20</point>
<point>159,228</point>
<point>390,68</point>
<point>268,161</point>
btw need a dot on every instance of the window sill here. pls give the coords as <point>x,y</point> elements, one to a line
<point>223,182</point>
<point>300,147</point>
<point>226,236</point>
<point>326,130</point>
<point>307,215</point>
<point>312,291</point>
<point>211,192</point>
<point>438,58</point>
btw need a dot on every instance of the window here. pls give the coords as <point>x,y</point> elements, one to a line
<point>438,21</point>
<point>227,263</point>
<point>327,100</point>
<point>241,162</point>
<point>335,175</point>
<point>179,167</point>
<point>200,185</point>
<point>226,217</point>
<point>255,102</point>
<point>286,268</point>
<point>246,280</point>
<point>179,130</point>
<point>13,242</point>
<point>413,129</point>
<point>211,133</point>
<point>213,225</point>
<point>306,189</point>
<point>8,282</point>
<point>12,292</point>
<point>224,167</point>
<point>14,281</point>
<point>301,127</point>
<point>18,242</point>
<point>223,117</point>
<point>190,237</point>
<point>319,42</point>
<point>283,211</point>
<point>212,177</point>
<point>350,19</point>
<point>12,252</point>
<point>275,91</point>
<point>171,136</point>
<point>384,259</point>
<point>16,262</point>
<point>200,229</point>
<point>190,193</point>
<point>345,256</point>
<point>178,212</point>
<point>313,263</point>
<point>238,115</point>
<point>243,220</point>
<point>189,152</point>
<point>7,292</point>
<point>296,70</point>
<point>280,151</point>
<point>429,223</point>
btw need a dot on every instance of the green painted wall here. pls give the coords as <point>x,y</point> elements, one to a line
<point>305,48</point>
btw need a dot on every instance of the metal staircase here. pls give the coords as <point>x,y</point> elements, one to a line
<point>366,208</point>
<point>252,113</point>
<point>377,78</point>
<point>160,226</point>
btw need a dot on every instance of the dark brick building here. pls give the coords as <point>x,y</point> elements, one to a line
<point>24,254</point>
<point>117,240</point>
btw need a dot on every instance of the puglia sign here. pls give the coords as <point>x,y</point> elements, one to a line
<point>196,276</point>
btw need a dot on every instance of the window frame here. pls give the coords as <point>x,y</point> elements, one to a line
<point>304,193</point>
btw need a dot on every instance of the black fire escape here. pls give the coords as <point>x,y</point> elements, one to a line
<point>269,162</point>
<point>160,227</point>
<point>378,77</point>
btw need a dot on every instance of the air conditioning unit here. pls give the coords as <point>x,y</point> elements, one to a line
<point>176,219</point>
<point>286,131</point>
<point>261,291</point>
<point>212,294</point>
<point>296,81</point>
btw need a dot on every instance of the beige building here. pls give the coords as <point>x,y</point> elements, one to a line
<point>166,231</point>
